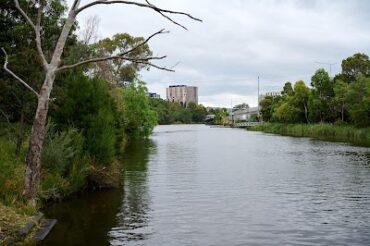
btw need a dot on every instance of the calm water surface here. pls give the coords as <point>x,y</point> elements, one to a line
<point>196,185</point>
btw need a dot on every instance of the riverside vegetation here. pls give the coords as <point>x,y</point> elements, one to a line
<point>336,109</point>
<point>173,113</point>
<point>91,113</point>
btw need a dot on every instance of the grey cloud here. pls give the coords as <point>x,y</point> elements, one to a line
<point>280,40</point>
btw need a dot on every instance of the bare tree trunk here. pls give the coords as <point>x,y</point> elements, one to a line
<point>33,158</point>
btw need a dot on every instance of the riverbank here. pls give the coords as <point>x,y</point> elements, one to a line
<point>84,174</point>
<point>328,132</point>
<point>11,220</point>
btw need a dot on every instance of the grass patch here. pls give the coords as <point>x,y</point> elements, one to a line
<point>328,132</point>
<point>11,174</point>
<point>12,219</point>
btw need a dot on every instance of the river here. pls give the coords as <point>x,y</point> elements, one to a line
<point>197,185</point>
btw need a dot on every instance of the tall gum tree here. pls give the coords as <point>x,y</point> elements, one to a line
<point>52,67</point>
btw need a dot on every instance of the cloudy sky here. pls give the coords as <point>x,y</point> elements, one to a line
<point>279,40</point>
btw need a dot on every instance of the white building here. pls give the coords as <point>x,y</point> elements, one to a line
<point>243,115</point>
<point>269,94</point>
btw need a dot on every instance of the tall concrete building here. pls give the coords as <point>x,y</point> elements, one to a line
<point>182,94</point>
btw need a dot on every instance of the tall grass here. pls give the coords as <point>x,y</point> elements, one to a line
<point>66,167</point>
<point>329,132</point>
<point>11,173</point>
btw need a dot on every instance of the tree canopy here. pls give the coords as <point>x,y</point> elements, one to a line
<point>344,99</point>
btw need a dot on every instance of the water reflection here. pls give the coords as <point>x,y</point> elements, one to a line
<point>108,217</point>
<point>132,220</point>
<point>84,219</point>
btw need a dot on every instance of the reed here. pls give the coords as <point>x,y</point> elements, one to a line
<point>329,132</point>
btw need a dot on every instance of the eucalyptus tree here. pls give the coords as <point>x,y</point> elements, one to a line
<point>341,91</point>
<point>301,96</point>
<point>323,90</point>
<point>54,64</point>
<point>119,69</point>
<point>355,66</point>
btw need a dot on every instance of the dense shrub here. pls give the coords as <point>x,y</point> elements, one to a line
<point>61,149</point>
<point>87,105</point>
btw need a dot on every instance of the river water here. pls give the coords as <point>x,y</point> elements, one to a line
<point>197,185</point>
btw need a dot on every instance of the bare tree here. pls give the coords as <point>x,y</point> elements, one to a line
<point>52,67</point>
<point>90,32</point>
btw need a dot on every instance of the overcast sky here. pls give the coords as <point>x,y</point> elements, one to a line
<point>280,40</point>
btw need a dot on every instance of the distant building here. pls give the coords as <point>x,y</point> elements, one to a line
<point>153,95</point>
<point>182,94</point>
<point>240,106</point>
<point>243,114</point>
<point>269,94</point>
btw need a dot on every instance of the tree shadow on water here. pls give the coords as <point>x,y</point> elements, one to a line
<point>107,217</point>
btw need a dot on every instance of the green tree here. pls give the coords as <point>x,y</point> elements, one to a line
<point>17,104</point>
<point>359,102</point>
<point>341,90</point>
<point>221,116</point>
<point>139,118</point>
<point>163,110</point>
<point>314,107</point>
<point>287,89</point>
<point>121,69</point>
<point>323,89</point>
<point>92,111</point>
<point>198,112</point>
<point>301,96</point>
<point>266,108</point>
<point>286,112</point>
<point>355,66</point>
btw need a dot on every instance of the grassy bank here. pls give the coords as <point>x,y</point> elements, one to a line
<point>65,172</point>
<point>329,132</point>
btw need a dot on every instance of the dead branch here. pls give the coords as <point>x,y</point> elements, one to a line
<point>151,65</point>
<point>15,76</point>
<point>119,56</point>
<point>90,32</point>
<point>148,5</point>
<point>108,58</point>
<point>165,16</point>
<point>37,28</point>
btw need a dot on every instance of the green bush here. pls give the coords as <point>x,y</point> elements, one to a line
<point>87,105</point>
<point>65,169</point>
<point>139,118</point>
<point>60,149</point>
